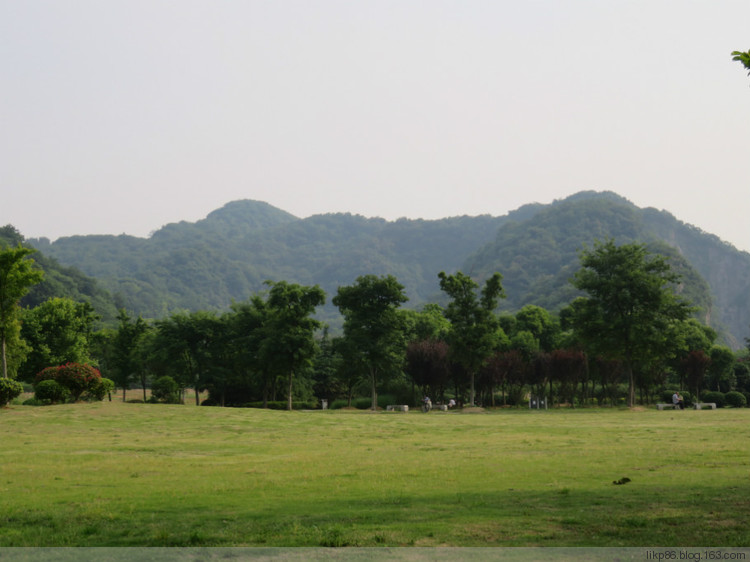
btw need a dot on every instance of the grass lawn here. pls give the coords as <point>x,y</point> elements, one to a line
<point>115,474</point>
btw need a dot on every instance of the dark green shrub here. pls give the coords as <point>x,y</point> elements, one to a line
<point>166,390</point>
<point>52,392</point>
<point>713,396</point>
<point>9,389</point>
<point>735,399</point>
<point>33,402</point>
<point>102,388</point>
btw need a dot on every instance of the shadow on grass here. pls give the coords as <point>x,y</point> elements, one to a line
<point>625,515</point>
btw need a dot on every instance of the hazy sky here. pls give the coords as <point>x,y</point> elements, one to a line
<point>122,116</point>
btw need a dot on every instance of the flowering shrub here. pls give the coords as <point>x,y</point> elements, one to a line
<point>47,374</point>
<point>77,378</point>
<point>9,389</point>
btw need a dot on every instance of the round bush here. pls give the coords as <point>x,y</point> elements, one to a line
<point>713,396</point>
<point>9,389</point>
<point>165,389</point>
<point>51,391</point>
<point>100,389</point>
<point>735,399</point>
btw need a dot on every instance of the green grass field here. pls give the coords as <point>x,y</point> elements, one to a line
<point>114,474</point>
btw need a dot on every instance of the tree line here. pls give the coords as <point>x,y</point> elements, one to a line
<point>627,338</point>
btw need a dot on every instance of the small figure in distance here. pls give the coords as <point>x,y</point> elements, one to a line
<point>451,403</point>
<point>677,401</point>
<point>427,404</point>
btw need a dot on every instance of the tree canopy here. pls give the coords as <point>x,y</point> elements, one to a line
<point>17,275</point>
<point>474,327</point>
<point>631,304</point>
<point>743,58</point>
<point>372,327</point>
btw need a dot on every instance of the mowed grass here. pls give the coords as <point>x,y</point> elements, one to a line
<point>114,474</point>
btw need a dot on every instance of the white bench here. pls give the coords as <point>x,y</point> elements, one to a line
<point>666,406</point>
<point>701,405</point>
<point>397,408</point>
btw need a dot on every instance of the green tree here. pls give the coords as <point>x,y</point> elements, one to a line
<point>372,326</point>
<point>538,322</point>
<point>631,304</point>
<point>17,275</point>
<point>289,343</point>
<point>743,58</point>
<point>721,369</point>
<point>127,351</point>
<point>251,379</point>
<point>59,331</point>
<point>474,330</point>
<point>182,347</point>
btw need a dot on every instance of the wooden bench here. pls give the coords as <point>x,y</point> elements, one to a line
<point>666,406</point>
<point>701,405</point>
<point>397,408</point>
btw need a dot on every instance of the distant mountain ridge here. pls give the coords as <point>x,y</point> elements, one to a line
<point>229,254</point>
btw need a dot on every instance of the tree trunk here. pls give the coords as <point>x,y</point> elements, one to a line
<point>373,378</point>
<point>289,394</point>
<point>5,361</point>
<point>124,391</point>
<point>631,386</point>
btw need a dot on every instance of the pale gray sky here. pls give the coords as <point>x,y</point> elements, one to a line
<point>120,116</point>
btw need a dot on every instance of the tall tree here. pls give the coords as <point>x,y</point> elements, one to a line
<point>59,331</point>
<point>474,327</point>
<point>631,304</point>
<point>372,325</point>
<point>127,357</point>
<point>289,343</point>
<point>183,344</point>
<point>17,275</point>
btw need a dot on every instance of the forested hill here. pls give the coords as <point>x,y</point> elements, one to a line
<point>538,256</point>
<point>228,255</point>
<point>62,281</point>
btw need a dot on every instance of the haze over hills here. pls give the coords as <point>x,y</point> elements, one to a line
<point>229,254</point>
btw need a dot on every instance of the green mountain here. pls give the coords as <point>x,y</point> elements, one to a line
<point>538,255</point>
<point>229,254</point>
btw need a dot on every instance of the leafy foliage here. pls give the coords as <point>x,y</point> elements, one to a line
<point>9,389</point>
<point>165,389</point>
<point>743,58</point>
<point>50,391</point>
<point>16,277</point>
<point>373,329</point>
<point>631,307</point>
<point>76,378</point>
